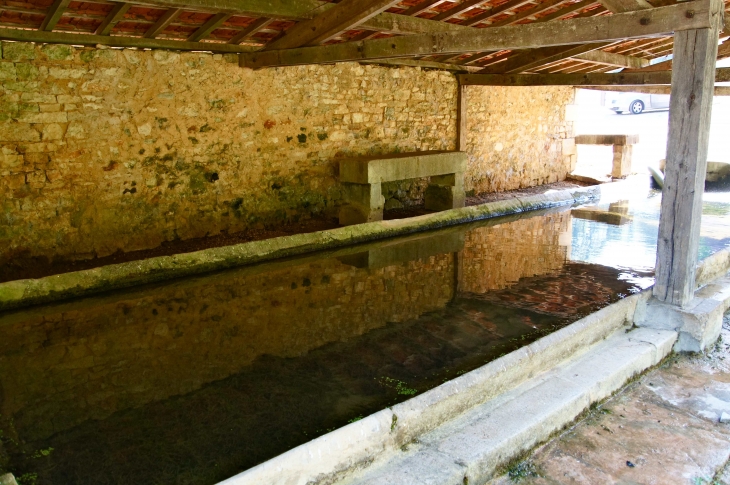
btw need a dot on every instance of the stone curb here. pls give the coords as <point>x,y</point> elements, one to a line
<point>20,293</point>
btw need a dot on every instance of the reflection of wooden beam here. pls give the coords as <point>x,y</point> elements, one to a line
<point>53,15</point>
<point>611,59</point>
<point>250,30</point>
<point>595,79</point>
<point>594,29</point>
<point>113,18</point>
<point>118,41</point>
<point>346,15</point>
<point>162,23</point>
<point>207,28</point>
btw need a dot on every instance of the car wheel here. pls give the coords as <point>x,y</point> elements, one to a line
<point>636,107</point>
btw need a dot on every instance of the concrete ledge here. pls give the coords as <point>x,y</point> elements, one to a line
<point>470,448</point>
<point>20,293</point>
<point>341,453</point>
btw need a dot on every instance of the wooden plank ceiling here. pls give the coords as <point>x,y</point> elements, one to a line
<point>250,25</point>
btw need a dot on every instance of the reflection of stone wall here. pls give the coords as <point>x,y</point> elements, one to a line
<point>518,137</point>
<point>65,364</point>
<point>496,257</point>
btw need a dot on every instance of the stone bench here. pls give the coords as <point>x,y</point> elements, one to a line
<point>622,150</point>
<point>362,178</point>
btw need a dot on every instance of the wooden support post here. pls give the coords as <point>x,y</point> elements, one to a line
<point>690,109</point>
<point>461,108</point>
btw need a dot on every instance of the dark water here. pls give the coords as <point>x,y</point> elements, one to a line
<point>194,381</point>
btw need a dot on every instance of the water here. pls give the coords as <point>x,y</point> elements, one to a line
<point>196,380</point>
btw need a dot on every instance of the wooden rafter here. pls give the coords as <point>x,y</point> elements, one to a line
<point>621,6</point>
<point>648,23</point>
<point>458,9</point>
<point>111,20</point>
<point>249,31</point>
<point>611,59</point>
<point>207,28</point>
<point>345,15</point>
<point>53,15</point>
<point>162,23</point>
<point>422,7</point>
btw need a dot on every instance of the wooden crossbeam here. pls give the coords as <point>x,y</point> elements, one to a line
<point>535,58</point>
<point>113,18</point>
<point>611,59</point>
<point>652,78</point>
<point>53,15</point>
<point>207,28</point>
<point>719,90</point>
<point>345,15</point>
<point>118,41</point>
<point>162,23</point>
<point>645,23</point>
<point>250,30</point>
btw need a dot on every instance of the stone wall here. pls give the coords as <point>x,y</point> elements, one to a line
<point>118,149</point>
<point>518,137</point>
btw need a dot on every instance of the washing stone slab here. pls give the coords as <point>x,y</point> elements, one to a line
<point>471,447</point>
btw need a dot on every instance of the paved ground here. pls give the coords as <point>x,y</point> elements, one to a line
<point>661,429</point>
<point>652,130</point>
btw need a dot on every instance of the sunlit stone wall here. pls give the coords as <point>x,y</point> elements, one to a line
<point>119,149</point>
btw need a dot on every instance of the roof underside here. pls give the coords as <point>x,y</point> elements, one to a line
<point>242,25</point>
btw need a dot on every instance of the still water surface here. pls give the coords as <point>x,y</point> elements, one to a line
<point>193,381</point>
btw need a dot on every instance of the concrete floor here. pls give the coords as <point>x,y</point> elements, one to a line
<point>661,429</point>
<point>651,126</point>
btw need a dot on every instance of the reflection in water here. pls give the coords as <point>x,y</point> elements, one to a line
<point>196,380</point>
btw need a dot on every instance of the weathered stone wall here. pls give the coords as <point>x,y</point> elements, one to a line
<point>117,149</point>
<point>518,137</point>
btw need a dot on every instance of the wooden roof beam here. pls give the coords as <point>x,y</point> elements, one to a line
<point>250,30</point>
<point>719,90</point>
<point>494,11</point>
<point>113,18</point>
<point>346,15</point>
<point>207,28</point>
<point>53,14</point>
<point>458,9</point>
<point>118,41</point>
<point>611,59</point>
<point>599,29</point>
<point>162,23</point>
<point>655,78</point>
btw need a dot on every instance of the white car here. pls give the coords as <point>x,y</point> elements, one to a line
<point>636,103</point>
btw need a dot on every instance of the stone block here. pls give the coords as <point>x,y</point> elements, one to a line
<point>37,98</point>
<point>18,132</point>
<point>389,168</point>
<point>58,117</point>
<point>698,324</point>
<point>56,52</point>
<point>18,51</point>
<point>53,131</point>
<point>569,146</point>
<point>7,71</point>
<point>622,155</point>
<point>363,203</point>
